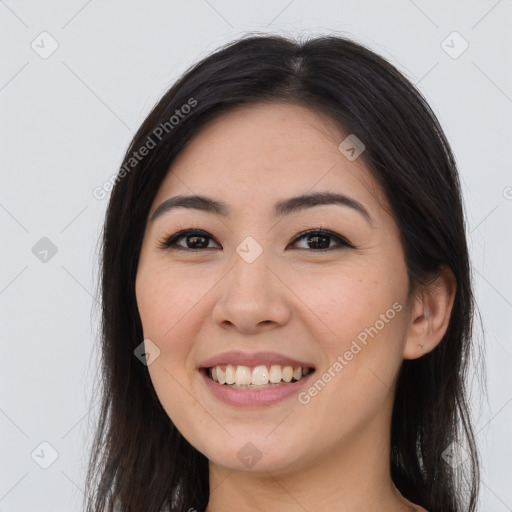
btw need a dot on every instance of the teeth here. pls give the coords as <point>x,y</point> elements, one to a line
<point>262,375</point>
<point>287,373</point>
<point>230,374</point>
<point>275,373</point>
<point>243,375</point>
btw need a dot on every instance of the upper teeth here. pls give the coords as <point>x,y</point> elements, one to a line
<point>259,375</point>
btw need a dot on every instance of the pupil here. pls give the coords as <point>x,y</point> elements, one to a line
<point>324,245</point>
<point>194,241</point>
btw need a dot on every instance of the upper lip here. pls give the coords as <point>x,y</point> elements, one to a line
<point>235,357</point>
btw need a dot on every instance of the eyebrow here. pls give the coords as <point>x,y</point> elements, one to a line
<point>281,208</point>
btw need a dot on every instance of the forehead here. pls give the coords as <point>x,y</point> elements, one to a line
<point>264,152</point>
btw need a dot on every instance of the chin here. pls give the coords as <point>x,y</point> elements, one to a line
<point>255,454</point>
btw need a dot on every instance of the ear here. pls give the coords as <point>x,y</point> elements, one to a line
<point>431,309</point>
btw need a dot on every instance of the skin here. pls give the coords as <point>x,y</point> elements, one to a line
<point>331,453</point>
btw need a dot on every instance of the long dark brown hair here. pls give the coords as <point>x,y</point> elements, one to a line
<point>139,460</point>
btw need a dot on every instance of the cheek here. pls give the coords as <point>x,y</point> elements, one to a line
<point>166,300</point>
<point>348,302</point>
<point>365,353</point>
<point>365,316</point>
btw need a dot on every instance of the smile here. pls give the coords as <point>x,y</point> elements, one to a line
<point>253,379</point>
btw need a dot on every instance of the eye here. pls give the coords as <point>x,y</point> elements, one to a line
<point>320,239</point>
<point>196,239</point>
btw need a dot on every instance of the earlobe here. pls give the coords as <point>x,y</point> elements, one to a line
<point>430,314</point>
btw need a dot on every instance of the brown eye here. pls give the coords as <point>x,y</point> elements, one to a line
<point>320,239</point>
<point>194,239</point>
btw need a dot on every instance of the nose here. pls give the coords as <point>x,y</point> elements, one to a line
<point>253,297</point>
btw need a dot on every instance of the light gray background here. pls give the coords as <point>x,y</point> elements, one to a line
<point>66,121</point>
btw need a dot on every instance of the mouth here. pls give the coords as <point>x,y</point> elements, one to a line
<point>262,376</point>
<point>254,379</point>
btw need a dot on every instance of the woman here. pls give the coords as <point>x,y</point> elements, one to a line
<point>286,294</point>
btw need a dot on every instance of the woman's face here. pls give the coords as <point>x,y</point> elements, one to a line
<point>252,290</point>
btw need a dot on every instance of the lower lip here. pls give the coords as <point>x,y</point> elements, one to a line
<point>254,397</point>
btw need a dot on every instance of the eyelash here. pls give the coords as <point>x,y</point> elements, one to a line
<point>170,242</point>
